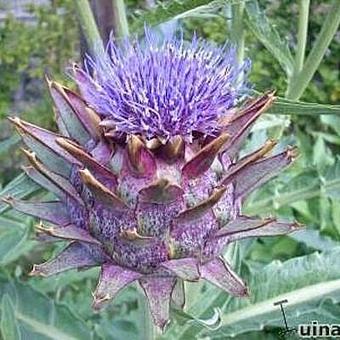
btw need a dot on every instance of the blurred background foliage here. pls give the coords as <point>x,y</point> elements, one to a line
<point>308,192</point>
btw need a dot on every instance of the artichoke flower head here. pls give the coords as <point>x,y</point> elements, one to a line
<point>145,172</point>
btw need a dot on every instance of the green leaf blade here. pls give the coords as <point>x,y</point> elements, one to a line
<point>301,187</point>
<point>260,26</point>
<point>172,10</point>
<point>310,283</point>
<point>8,325</point>
<point>39,317</point>
<point>289,107</point>
<point>306,282</point>
<point>14,239</point>
<point>20,187</point>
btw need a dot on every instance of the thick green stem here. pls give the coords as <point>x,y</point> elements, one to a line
<point>300,81</point>
<point>302,35</point>
<point>147,328</point>
<point>120,21</point>
<point>89,27</point>
<point>237,30</point>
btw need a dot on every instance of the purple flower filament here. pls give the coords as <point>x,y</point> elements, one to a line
<point>166,89</point>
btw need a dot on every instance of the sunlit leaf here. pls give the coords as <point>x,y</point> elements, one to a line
<point>309,283</point>
<point>313,239</point>
<point>261,27</point>
<point>306,282</point>
<point>8,326</point>
<point>171,10</point>
<point>7,144</point>
<point>14,238</point>
<point>333,121</point>
<point>19,187</point>
<point>302,187</point>
<point>39,317</point>
<point>289,107</point>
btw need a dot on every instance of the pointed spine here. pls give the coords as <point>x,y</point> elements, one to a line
<point>160,192</point>
<point>101,193</point>
<point>112,279</point>
<point>270,228</point>
<point>77,152</point>
<point>202,161</point>
<point>75,255</point>
<point>57,181</point>
<point>141,161</point>
<point>256,174</point>
<point>239,126</point>
<point>43,142</point>
<point>219,273</point>
<point>251,111</point>
<point>158,292</point>
<point>185,268</point>
<point>247,160</point>
<point>54,211</point>
<point>86,115</point>
<point>172,150</point>
<point>67,113</point>
<point>202,208</point>
<point>69,232</point>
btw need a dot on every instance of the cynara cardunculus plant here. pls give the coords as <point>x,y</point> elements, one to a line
<point>146,172</point>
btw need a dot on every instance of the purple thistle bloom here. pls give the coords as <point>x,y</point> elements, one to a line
<point>166,88</point>
<point>145,172</point>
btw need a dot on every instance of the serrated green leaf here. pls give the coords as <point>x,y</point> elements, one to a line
<point>333,139</point>
<point>302,187</point>
<point>39,317</point>
<point>14,238</point>
<point>309,283</point>
<point>336,214</point>
<point>290,107</point>
<point>8,326</point>
<point>306,282</point>
<point>118,329</point>
<point>313,239</point>
<point>261,27</point>
<point>20,187</point>
<point>6,144</point>
<point>322,156</point>
<point>331,180</point>
<point>333,121</point>
<point>72,277</point>
<point>170,10</point>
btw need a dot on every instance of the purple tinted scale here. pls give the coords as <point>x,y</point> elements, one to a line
<point>143,258</point>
